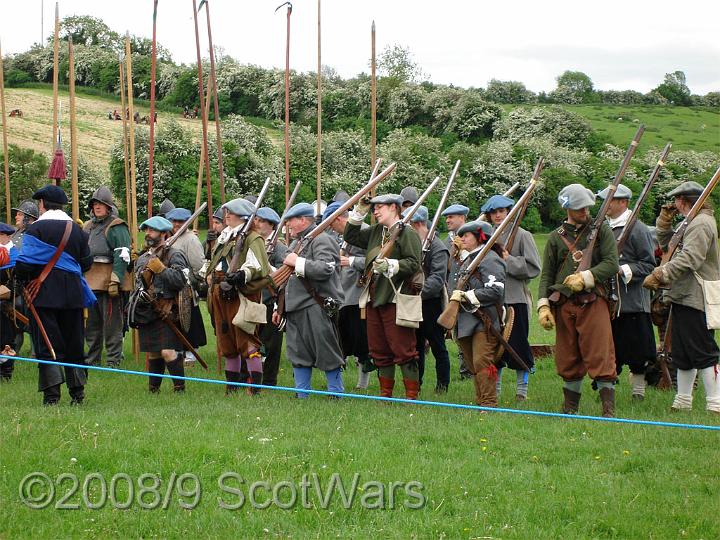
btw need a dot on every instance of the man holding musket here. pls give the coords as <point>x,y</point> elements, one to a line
<point>54,255</point>
<point>236,272</point>
<point>632,328</point>
<point>694,349</point>
<point>108,278</point>
<point>160,274</point>
<point>312,296</point>
<point>522,262</point>
<point>576,301</point>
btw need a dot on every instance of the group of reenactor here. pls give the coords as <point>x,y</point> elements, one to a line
<point>373,289</point>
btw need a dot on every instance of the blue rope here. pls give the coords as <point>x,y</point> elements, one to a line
<point>378,398</point>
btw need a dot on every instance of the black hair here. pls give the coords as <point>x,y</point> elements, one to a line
<point>52,205</point>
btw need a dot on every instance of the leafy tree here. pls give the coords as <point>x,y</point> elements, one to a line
<point>508,92</point>
<point>674,89</point>
<point>397,62</point>
<point>28,173</point>
<point>89,31</point>
<point>573,87</point>
<point>473,118</point>
<point>712,99</point>
<point>562,126</point>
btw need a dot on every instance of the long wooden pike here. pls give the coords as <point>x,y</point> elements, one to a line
<point>201,163</point>
<point>151,150</point>
<point>73,134</point>
<point>201,95</point>
<point>216,106</point>
<point>373,99</point>
<point>6,158</point>
<point>125,150</point>
<point>287,101</point>
<point>56,69</point>
<point>318,191</point>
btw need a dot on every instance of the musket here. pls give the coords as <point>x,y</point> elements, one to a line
<point>680,231</point>
<point>240,237</point>
<point>13,313</point>
<point>443,200</point>
<point>448,318</point>
<point>518,220</point>
<point>663,356</point>
<point>627,229</point>
<point>272,240</point>
<point>586,261</point>
<point>282,274</point>
<point>344,245</point>
<point>388,246</point>
<point>184,227</point>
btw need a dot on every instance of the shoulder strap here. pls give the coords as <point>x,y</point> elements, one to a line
<point>34,286</point>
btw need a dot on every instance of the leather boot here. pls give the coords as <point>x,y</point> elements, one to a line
<point>177,369</point>
<point>155,365</point>
<point>255,378</point>
<point>607,397</point>
<point>572,401</point>
<point>411,388</point>
<point>231,376</point>
<point>77,393</point>
<point>51,395</point>
<point>386,386</point>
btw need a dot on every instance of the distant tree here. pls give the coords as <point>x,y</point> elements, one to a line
<point>473,118</point>
<point>89,31</point>
<point>574,87</point>
<point>712,99</point>
<point>674,88</point>
<point>398,63</point>
<point>508,92</point>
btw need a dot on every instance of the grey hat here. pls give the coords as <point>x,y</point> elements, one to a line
<point>268,214</point>
<point>576,197</point>
<point>302,209</point>
<point>178,214</point>
<point>622,192</point>
<point>456,210</point>
<point>421,214</point>
<point>691,189</point>
<point>388,198</point>
<point>252,198</point>
<point>239,207</point>
<point>476,227</point>
<point>29,208</point>
<point>102,195</point>
<point>341,196</point>
<point>409,194</point>
<point>165,207</point>
<point>219,214</point>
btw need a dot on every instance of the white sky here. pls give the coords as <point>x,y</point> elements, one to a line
<point>619,44</point>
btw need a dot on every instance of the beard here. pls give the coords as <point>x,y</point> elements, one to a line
<point>151,242</point>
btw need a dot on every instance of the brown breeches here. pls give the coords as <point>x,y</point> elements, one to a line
<point>479,349</point>
<point>231,340</point>
<point>389,343</point>
<point>584,343</point>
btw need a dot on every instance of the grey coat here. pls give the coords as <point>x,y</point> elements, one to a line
<point>192,248</point>
<point>488,284</point>
<point>698,253</point>
<point>171,280</point>
<point>452,275</point>
<point>276,258</point>
<point>322,260</point>
<point>638,256</point>
<point>522,265</point>
<point>434,265</point>
<point>350,275</point>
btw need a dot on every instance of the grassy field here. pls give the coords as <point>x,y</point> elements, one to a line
<point>495,475</point>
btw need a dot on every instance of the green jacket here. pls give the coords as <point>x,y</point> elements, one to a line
<point>698,252</point>
<point>407,251</point>
<point>558,264</point>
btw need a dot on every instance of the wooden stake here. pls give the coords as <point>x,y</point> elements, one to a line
<point>216,107</point>
<point>73,134</point>
<point>6,157</point>
<point>125,148</point>
<point>201,95</point>
<point>319,117</point>
<point>151,150</point>
<point>56,62</point>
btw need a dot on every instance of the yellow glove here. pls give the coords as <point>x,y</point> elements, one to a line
<point>457,296</point>
<point>114,286</point>
<point>667,214</point>
<point>363,206</point>
<point>458,243</point>
<point>574,282</point>
<point>655,280</point>
<point>547,321</point>
<point>155,265</point>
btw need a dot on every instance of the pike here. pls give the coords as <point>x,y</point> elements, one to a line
<point>73,134</point>
<point>246,229</point>
<point>521,214</point>
<point>151,150</point>
<point>433,226</point>
<point>6,158</point>
<point>448,318</point>
<point>272,241</point>
<point>344,246</point>
<point>586,260</point>
<point>282,274</point>
<point>673,245</point>
<point>287,100</point>
<point>364,280</point>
